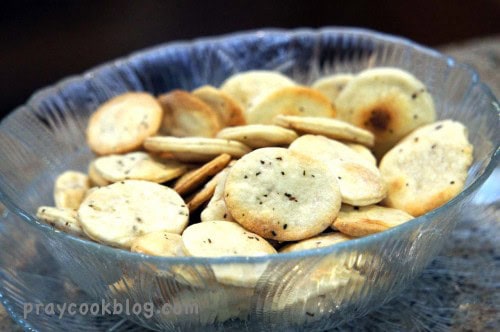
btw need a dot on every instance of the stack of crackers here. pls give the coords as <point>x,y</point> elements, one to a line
<point>262,165</point>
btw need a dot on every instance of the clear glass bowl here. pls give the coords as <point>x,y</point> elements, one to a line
<point>314,289</point>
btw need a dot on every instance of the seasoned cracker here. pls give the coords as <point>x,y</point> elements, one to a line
<point>229,111</point>
<point>282,195</point>
<point>96,179</point>
<point>158,244</point>
<point>389,102</point>
<point>359,180</point>
<point>185,115</point>
<point>332,85</point>
<point>122,123</point>
<point>428,168</point>
<point>225,238</point>
<point>200,176</point>
<point>64,219</point>
<point>259,136</point>
<point>119,213</point>
<point>365,220</point>
<point>327,127</point>
<point>70,188</point>
<point>293,100</point>
<point>195,149</point>
<point>137,166</point>
<point>318,241</point>
<point>245,87</point>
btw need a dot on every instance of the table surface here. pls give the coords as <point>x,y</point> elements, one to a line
<point>482,54</point>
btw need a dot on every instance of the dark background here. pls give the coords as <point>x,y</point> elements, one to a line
<point>44,41</point>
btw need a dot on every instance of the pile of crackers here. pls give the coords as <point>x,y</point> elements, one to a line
<point>262,165</point>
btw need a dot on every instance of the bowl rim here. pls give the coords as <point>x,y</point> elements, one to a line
<point>160,261</point>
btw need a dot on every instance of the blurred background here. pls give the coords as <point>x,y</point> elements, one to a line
<point>44,41</point>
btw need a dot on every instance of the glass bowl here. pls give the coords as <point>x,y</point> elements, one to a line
<point>313,289</point>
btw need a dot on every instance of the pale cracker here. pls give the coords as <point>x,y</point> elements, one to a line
<point>185,115</point>
<point>203,195</point>
<point>428,168</point>
<point>246,86</point>
<point>359,180</point>
<point>318,241</point>
<point>158,243</point>
<point>122,123</point>
<point>137,166</point>
<point>327,127</point>
<point>195,149</point>
<point>96,179</point>
<point>216,208</point>
<point>119,213</point>
<point>365,220</point>
<point>282,195</point>
<point>258,135</point>
<point>332,85</point>
<point>389,102</point>
<point>363,152</point>
<point>70,188</point>
<point>63,219</point>
<point>200,176</point>
<point>229,111</point>
<point>293,100</point>
<point>225,239</point>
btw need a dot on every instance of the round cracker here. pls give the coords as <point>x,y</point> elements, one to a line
<point>186,115</point>
<point>63,219</point>
<point>137,166</point>
<point>282,195</point>
<point>428,168</point>
<point>224,238</point>
<point>365,220</point>
<point>70,188</point>
<point>119,213</point>
<point>229,111</point>
<point>195,149</point>
<point>389,102</point>
<point>363,152</point>
<point>292,100</point>
<point>158,244</point>
<point>122,123</point>
<point>360,181</point>
<point>331,128</point>
<point>332,85</point>
<point>198,177</point>
<point>259,136</point>
<point>245,87</point>
<point>319,241</point>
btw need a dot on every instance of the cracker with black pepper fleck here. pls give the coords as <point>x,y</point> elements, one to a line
<point>389,102</point>
<point>428,168</point>
<point>365,220</point>
<point>137,166</point>
<point>229,111</point>
<point>282,195</point>
<point>327,127</point>
<point>158,244</point>
<point>359,180</point>
<point>70,188</point>
<point>332,85</point>
<point>63,219</point>
<point>119,213</point>
<point>122,123</point>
